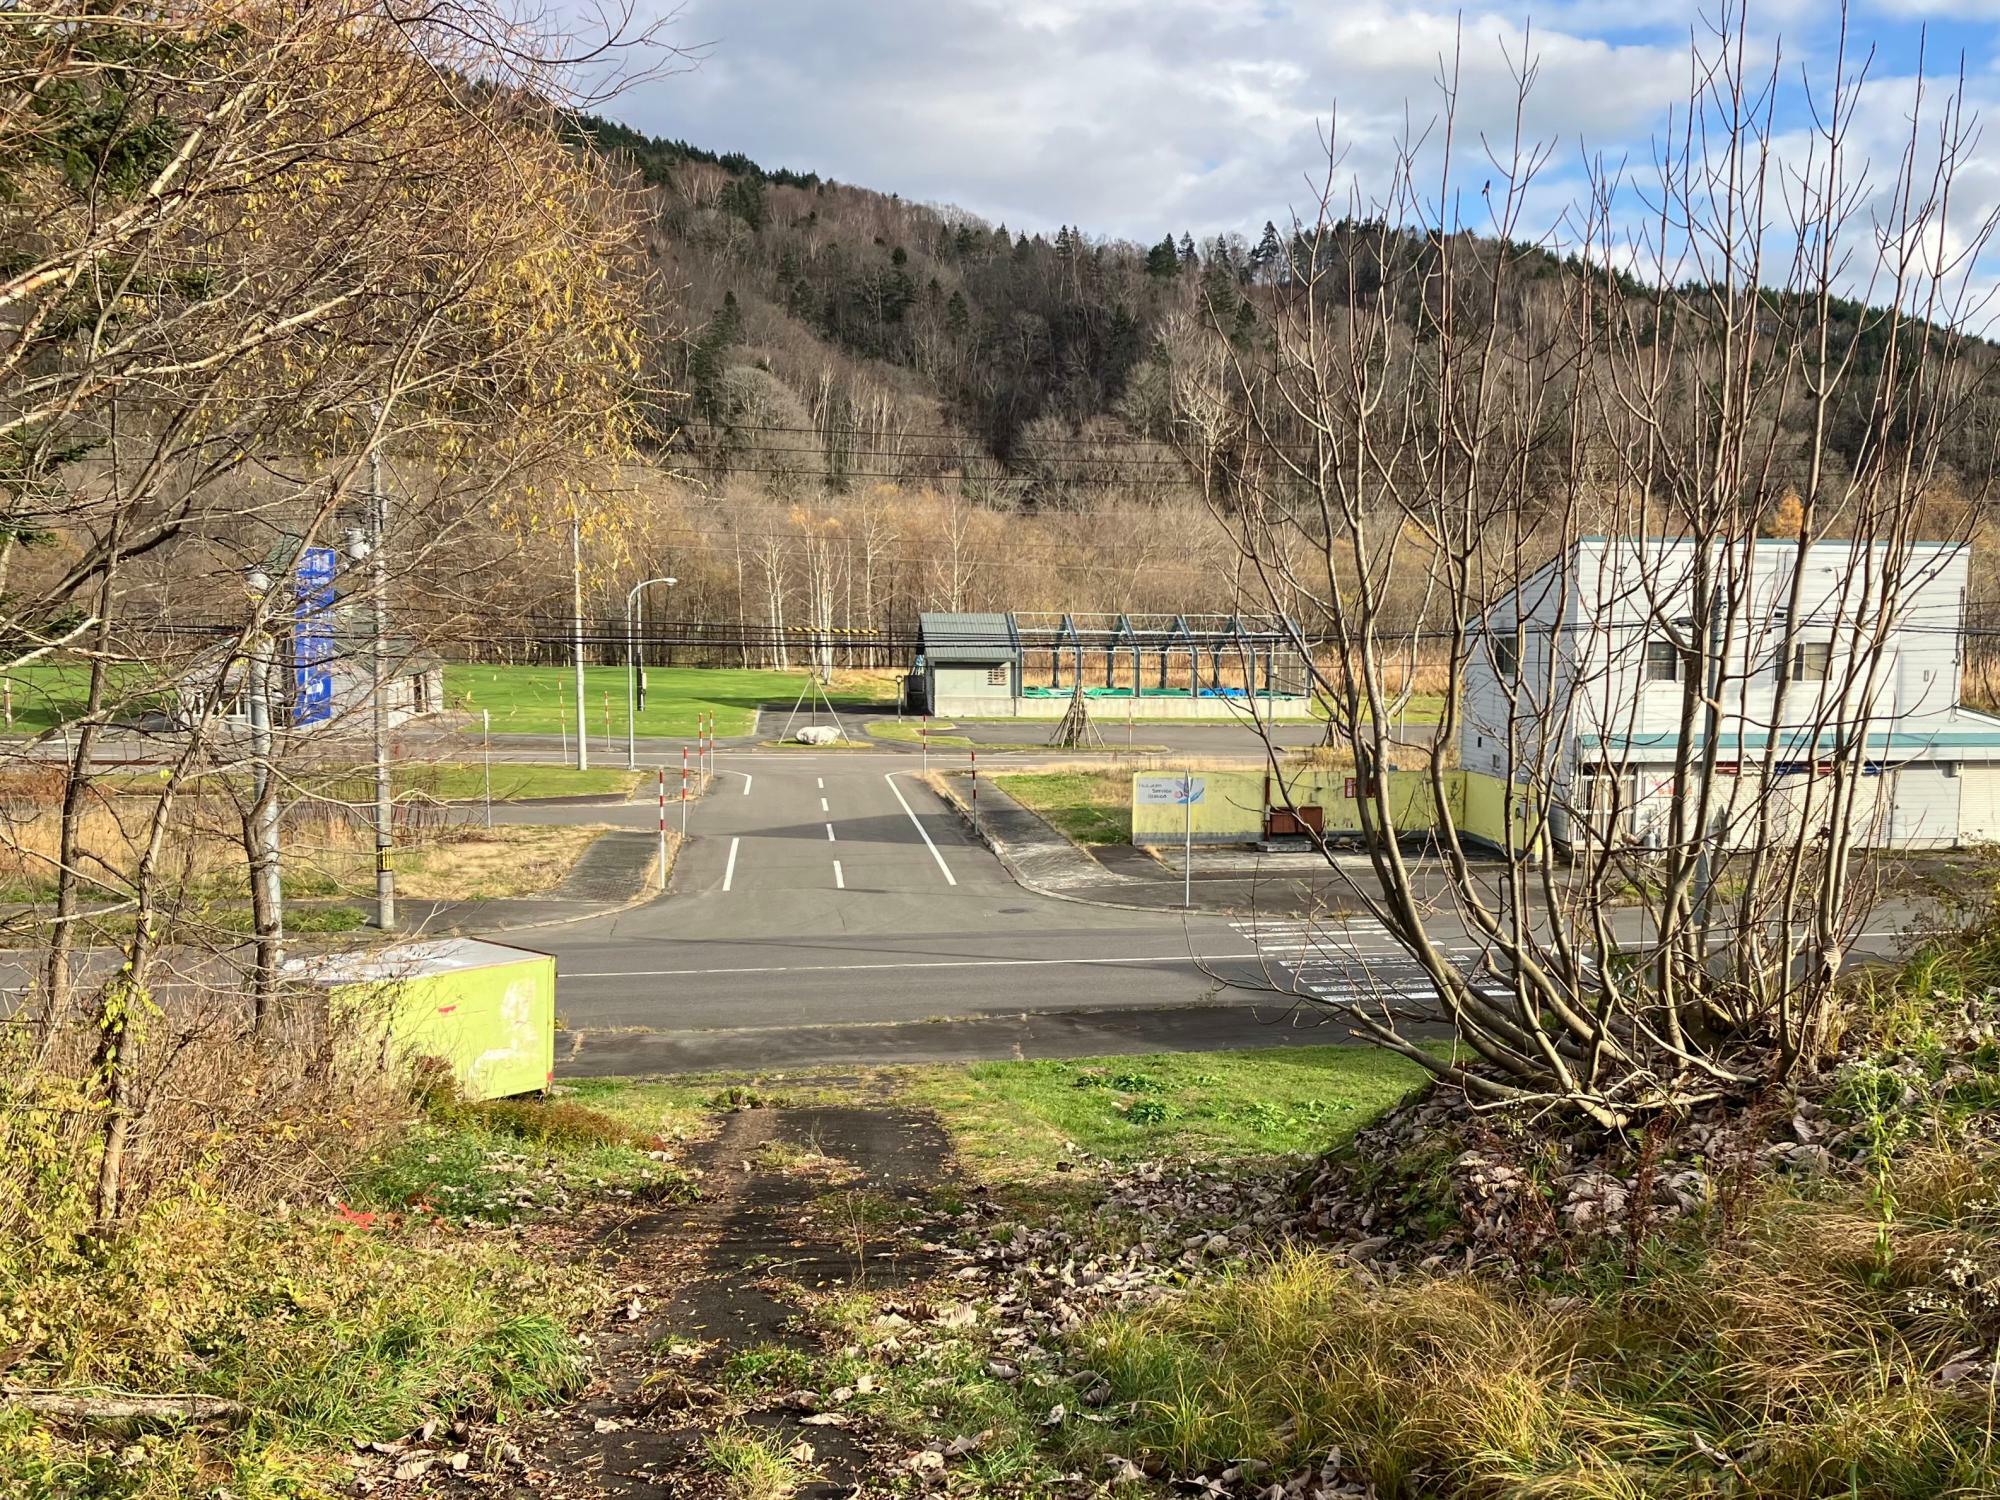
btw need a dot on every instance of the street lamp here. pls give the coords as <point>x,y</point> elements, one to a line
<point>632,668</point>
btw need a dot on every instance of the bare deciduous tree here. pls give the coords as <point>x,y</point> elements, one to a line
<point>1553,482</point>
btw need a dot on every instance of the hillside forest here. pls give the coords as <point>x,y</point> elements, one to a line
<point>851,407</point>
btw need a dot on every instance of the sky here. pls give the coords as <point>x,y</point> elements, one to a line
<point>1135,118</point>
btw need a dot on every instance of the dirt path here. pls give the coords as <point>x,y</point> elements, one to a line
<point>794,1203</point>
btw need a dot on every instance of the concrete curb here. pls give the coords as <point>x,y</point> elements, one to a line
<point>1010,862</point>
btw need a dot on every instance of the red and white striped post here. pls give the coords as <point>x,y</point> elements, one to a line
<point>973,755</point>
<point>924,734</point>
<point>684,792</point>
<point>663,827</point>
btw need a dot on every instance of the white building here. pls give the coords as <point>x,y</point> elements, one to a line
<point>1576,688</point>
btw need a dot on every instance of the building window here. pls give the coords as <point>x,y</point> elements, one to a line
<point>1663,662</point>
<point>997,676</point>
<point>1810,660</point>
<point>1506,661</point>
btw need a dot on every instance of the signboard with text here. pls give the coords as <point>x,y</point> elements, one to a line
<point>312,638</point>
<point>1171,791</point>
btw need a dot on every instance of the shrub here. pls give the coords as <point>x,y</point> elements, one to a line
<point>1795,1358</point>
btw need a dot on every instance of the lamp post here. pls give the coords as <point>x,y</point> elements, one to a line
<point>576,637</point>
<point>632,668</point>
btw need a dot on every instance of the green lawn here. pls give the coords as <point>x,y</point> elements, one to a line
<point>522,700</point>
<point>542,700</point>
<point>1092,807</point>
<point>1016,1119</point>
<point>466,781</point>
<point>49,694</point>
<point>947,735</point>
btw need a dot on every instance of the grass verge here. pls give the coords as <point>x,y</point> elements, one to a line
<point>1017,1120</point>
<point>1091,807</point>
<point>542,700</point>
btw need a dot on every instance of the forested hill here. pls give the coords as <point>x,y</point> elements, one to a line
<point>942,342</point>
<point>836,334</point>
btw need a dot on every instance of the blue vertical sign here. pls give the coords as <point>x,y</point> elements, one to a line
<point>312,638</point>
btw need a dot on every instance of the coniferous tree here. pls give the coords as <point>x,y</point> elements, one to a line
<point>1163,262</point>
<point>1265,259</point>
<point>709,357</point>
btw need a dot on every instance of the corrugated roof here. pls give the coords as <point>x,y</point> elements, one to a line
<point>1923,739</point>
<point>406,961</point>
<point>966,637</point>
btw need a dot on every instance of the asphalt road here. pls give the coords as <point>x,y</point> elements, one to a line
<point>837,888</point>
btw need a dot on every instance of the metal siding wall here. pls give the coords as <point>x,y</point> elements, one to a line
<point>1924,814</point>
<point>957,685</point>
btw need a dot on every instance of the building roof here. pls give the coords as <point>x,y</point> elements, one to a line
<point>967,637</point>
<point>406,961</point>
<point>1947,736</point>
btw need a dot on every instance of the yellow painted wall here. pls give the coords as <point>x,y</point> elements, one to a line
<point>1232,807</point>
<point>1231,810</point>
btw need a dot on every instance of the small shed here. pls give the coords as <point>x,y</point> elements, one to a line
<point>486,1010</point>
<point>412,686</point>
<point>971,662</point>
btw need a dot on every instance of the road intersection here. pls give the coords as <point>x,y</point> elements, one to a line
<point>840,889</point>
<point>831,906</point>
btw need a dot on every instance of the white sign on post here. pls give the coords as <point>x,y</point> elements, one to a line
<point>1171,791</point>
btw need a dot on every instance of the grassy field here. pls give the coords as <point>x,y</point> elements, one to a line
<point>1016,1120</point>
<point>522,700</point>
<point>323,857</point>
<point>47,695</point>
<point>1092,807</point>
<point>450,781</point>
<point>351,1294</point>
<point>542,700</point>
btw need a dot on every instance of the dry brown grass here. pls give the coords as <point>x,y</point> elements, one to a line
<point>324,854</point>
<point>1798,1357</point>
<point>483,864</point>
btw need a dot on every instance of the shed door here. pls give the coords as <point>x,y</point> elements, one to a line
<point>1287,821</point>
<point>1978,803</point>
<point>1924,814</point>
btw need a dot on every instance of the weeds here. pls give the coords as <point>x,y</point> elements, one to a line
<point>768,1367</point>
<point>751,1466</point>
<point>501,1160</point>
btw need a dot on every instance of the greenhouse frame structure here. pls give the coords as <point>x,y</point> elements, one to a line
<point>1030,665</point>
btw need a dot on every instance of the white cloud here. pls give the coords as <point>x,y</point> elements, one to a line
<point>1134,118</point>
<point>1129,117</point>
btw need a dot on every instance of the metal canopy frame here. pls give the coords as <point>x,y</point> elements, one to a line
<point>1206,639</point>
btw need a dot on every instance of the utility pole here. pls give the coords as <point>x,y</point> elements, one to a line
<point>385,808</point>
<point>576,636</point>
